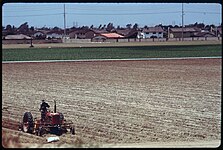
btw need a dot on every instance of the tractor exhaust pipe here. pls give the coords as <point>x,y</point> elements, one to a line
<point>55,107</point>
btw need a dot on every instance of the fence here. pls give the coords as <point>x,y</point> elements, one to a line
<point>28,41</point>
<point>35,41</point>
<point>142,40</point>
<point>64,40</point>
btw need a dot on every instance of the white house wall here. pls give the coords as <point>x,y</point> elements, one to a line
<point>149,35</point>
<point>38,34</point>
<point>143,35</point>
<point>54,35</point>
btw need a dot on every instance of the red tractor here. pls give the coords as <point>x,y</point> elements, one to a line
<point>54,123</point>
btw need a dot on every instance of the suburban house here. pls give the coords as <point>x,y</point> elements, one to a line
<point>151,32</point>
<point>127,33</point>
<point>109,33</point>
<point>85,33</point>
<point>104,36</point>
<point>219,31</point>
<point>40,34</point>
<point>98,32</point>
<point>78,33</point>
<point>17,37</point>
<point>204,34</point>
<point>55,34</point>
<point>187,32</point>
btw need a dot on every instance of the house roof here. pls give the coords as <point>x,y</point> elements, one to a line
<point>153,29</point>
<point>99,31</point>
<point>17,37</point>
<point>111,35</point>
<point>187,29</point>
<point>132,34</point>
<point>123,32</point>
<point>76,31</point>
<point>56,32</point>
<point>219,30</point>
<point>42,31</point>
<point>204,34</point>
<point>83,31</point>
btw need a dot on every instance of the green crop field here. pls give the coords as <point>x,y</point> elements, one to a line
<point>29,54</point>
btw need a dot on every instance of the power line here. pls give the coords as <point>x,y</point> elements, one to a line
<point>113,9</point>
<point>123,13</point>
<point>105,14</point>
<point>31,10</point>
<point>90,14</point>
<point>22,6</point>
<point>35,15</point>
<point>202,12</point>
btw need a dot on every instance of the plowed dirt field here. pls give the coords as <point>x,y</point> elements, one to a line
<point>118,101</point>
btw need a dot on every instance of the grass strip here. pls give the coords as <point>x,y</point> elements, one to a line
<point>35,54</point>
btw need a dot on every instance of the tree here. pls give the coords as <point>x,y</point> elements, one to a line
<point>135,26</point>
<point>167,26</point>
<point>176,26</point>
<point>104,27</point>
<point>159,25</point>
<point>199,25</point>
<point>195,24</point>
<point>8,27</point>
<point>32,28</point>
<point>84,27</point>
<point>13,28</point>
<point>100,26</point>
<point>145,27</point>
<point>24,27</point>
<point>129,26</point>
<point>56,28</point>
<point>109,27</point>
<point>212,25</point>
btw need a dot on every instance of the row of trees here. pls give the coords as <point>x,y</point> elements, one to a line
<point>109,27</point>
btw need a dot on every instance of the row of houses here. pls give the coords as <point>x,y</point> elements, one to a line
<point>102,34</point>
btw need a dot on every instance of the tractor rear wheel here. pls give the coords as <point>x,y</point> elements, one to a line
<point>28,124</point>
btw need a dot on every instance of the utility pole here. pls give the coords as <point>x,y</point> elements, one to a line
<point>64,22</point>
<point>182,36</point>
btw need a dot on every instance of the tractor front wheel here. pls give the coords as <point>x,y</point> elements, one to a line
<point>72,130</point>
<point>61,118</point>
<point>28,124</point>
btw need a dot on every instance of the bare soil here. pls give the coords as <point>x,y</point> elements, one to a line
<point>118,102</point>
<point>108,44</point>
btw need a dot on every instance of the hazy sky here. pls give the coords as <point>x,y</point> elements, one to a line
<point>79,14</point>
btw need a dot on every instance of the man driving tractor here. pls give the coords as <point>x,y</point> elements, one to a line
<point>43,109</point>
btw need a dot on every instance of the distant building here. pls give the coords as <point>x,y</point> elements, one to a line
<point>85,33</point>
<point>151,32</point>
<point>127,33</point>
<point>55,34</point>
<point>187,32</point>
<point>17,37</point>
<point>40,34</point>
<point>104,36</point>
<point>219,31</point>
<point>204,34</point>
